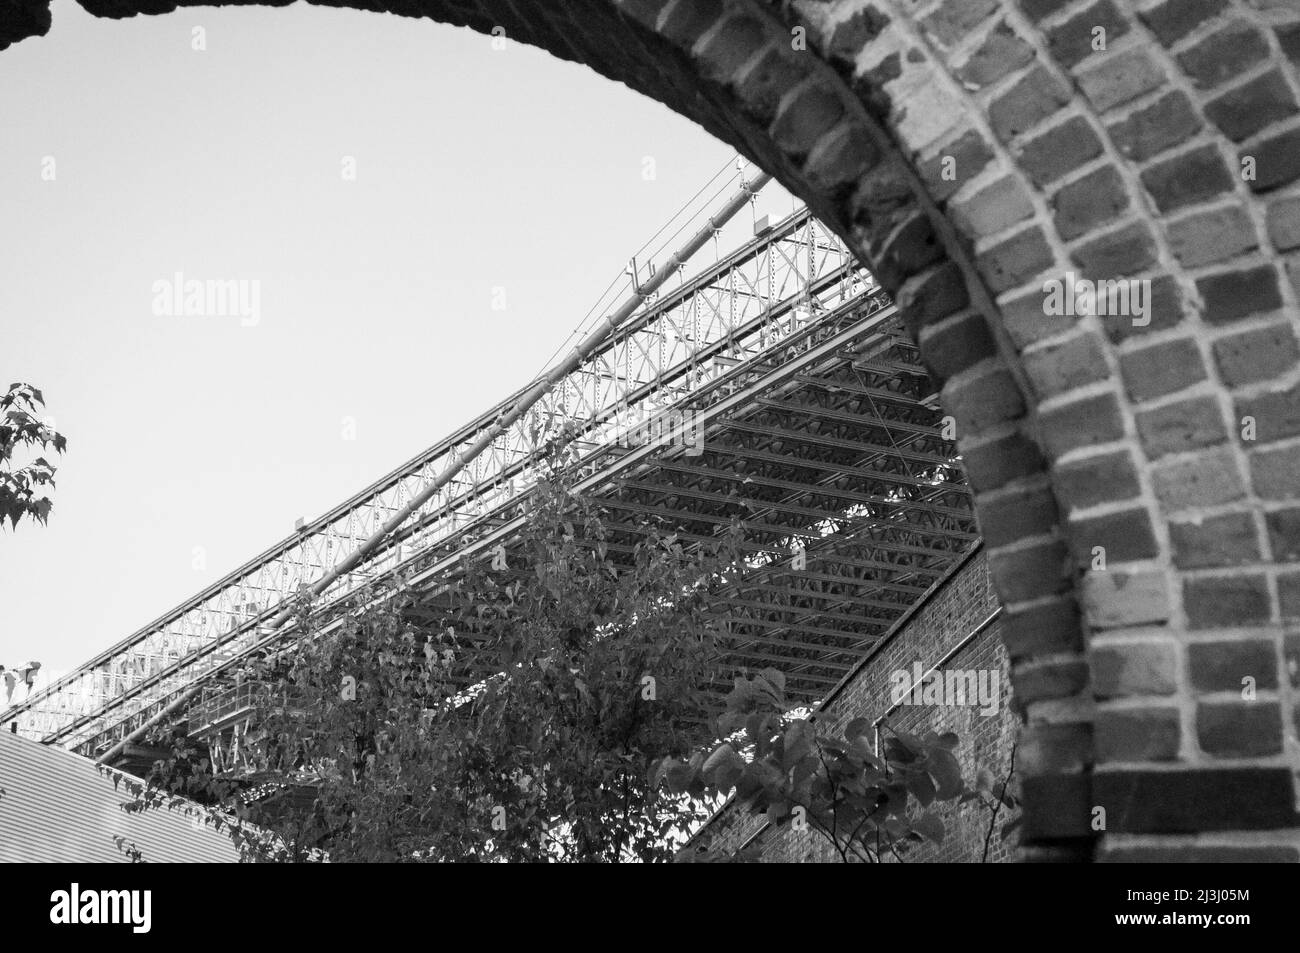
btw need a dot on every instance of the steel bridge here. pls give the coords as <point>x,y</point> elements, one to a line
<point>775,385</point>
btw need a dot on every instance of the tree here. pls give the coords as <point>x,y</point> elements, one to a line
<point>777,762</point>
<point>20,427</point>
<point>515,716</point>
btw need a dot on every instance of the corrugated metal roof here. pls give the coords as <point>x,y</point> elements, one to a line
<point>57,806</point>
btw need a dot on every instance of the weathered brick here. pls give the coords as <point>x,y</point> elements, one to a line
<point>1081,423</point>
<point>1001,53</point>
<point>1230,295</point>
<point>956,343</point>
<point>1208,479</point>
<point>803,117</point>
<point>1033,681</point>
<point>908,249</point>
<point>1284,534</point>
<point>1288,38</point>
<point>1188,178</point>
<point>1284,223</point>
<point>1186,425</point>
<point>840,157</point>
<point>1148,131</point>
<point>761,88</point>
<point>1105,478</point>
<point>1056,806</point>
<point>1239,729</point>
<point>1288,596</point>
<point>1025,318</point>
<point>1047,749</point>
<point>931,296</point>
<point>1118,598</point>
<point>1161,369</point>
<point>995,463</point>
<point>1072,41</point>
<point>1014,260</point>
<point>1276,414</point>
<point>1125,536</point>
<point>1195,800</point>
<point>1009,517</point>
<point>722,56</point>
<point>1125,669</point>
<point>1043,629</point>
<point>1215,541</point>
<point>1118,79</point>
<point>851,36</point>
<point>684,23</point>
<point>1221,666</point>
<point>983,401</point>
<point>1213,235</point>
<point>993,209</point>
<point>1031,572</point>
<point>956,19</point>
<point>1064,365</point>
<point>1223,54</point>
<point>1174,19</point>
<point>1276,161</point>
<point>1059,150</point>
<point>1038,9</point>
<point>1088,202</point>
<point>1214,602</point>
<point>1165,310</point>
<point>1032,99</point>
<point>969,154</point>
<point>1261,354</point>
<point>1137,734</point>
<point>1124,251</point>
<point>1245,110</point>
<point>1275,474</point>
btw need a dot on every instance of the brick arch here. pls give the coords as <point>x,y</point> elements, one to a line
<point>970,150</point>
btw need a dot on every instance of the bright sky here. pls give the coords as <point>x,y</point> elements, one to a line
<point>476,169</point>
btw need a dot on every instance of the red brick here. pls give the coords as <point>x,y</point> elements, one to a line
<point>1223,54</point>
<point>1105,478</point>
<point>1231,295</point>
<point>1082,423</point>
<point>1014,260</point>
<point>804,117</point>
<point>1071,42</point>
<point>1026,320</point>
<point>1258,355</point>
<point>1207,479</point>
<point>1032,99</point>
<point>1276,159</point>
<point>1009,517</point>
<point>905,251</point>
<point>1043,629</point>
<point>1153,129</point>
<point>1221,666</point>
<point>1161,369</point>
<point>970,154</point>
<point>1239,729</point>
<point>932,296</point>
<point>993,209</point>
<point>1284,223</point>
<point>1126,536</point>
<point>956,343</point>
<point>1275,474</point>
<point>1277,414</point>
<point>1124,251</point>
<point>1118,79</point>
<point>1186,425</point>
<point>956,19</point>
<point>1088,202</point>
<point>1167,311</point>
<point>983,401</point>
<point>1119,598</point>
<point>1195,800</point>
<point>1061,149</point>
<point>1245,110</point>
<point>1031,572</point>
<point>1215,602</point>
<point>1137,734</point>
<point>1186,179</point>
<point>1216,541</point>
<point>761,88</point>
<point>1048,749</point>
<point>840,157</point>
<point>1046,680</point>
<point>1211,236</point>
<point>1174,19</point>
<point>1284,534</point>
<point>1064,365</point>
<point>1001,53</point>
<point>1126,669</point>
<point>997,462</point>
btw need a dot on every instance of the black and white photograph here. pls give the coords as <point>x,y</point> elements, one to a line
<point>651,431</point>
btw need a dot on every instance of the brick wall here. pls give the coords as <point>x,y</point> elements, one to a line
<point>957,607</point>
<point>1137,481</point>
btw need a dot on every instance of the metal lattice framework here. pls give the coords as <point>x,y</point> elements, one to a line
<point>788,356</point>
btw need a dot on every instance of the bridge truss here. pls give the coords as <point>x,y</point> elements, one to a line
<point>819,430</point>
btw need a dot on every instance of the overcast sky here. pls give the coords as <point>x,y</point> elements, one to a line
<point>476,169</point>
